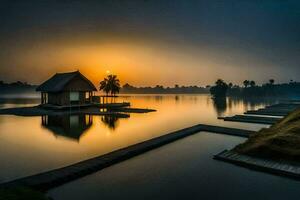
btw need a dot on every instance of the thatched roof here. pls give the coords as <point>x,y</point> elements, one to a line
<point>58,82</point>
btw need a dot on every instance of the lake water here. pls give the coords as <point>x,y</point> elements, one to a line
<point>29,145</point>
<point>183,169</point>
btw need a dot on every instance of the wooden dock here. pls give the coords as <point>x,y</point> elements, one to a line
<point>275,167</point>
<point>291,101</point>
<point>284,106</point>
<point>276,110</point>
<point>56,177</point>
<point>251,119</point>
<point>86,105</point>
<point>281,109</point>
<point>266,112</point>
<point>38,111</point>
<point>41,111</point>
<point>132,110</point>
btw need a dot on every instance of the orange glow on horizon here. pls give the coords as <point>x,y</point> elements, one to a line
<point>137,63</point>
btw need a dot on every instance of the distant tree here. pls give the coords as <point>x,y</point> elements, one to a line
<point>126,85</point>
<point>220,82</point>
<point>271,81</point>
<point>230,85</point>
<point>159,87</point>
<point>219,90</point>
<point>246,83</point>
<point>252,83</point>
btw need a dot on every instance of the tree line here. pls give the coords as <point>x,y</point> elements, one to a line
<point>15,87</point>
<point>159,89</point>
<point>111,85</point>
<point>251,89</point>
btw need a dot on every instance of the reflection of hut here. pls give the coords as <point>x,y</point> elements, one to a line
<point>67,89</point>
<point>71,126</point>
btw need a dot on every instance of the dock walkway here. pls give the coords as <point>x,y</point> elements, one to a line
<point>268,112</point>
<point>251,119</point>
<point>252,116</point>
<point>281,109</point>
<point>275,167</point>
<point>56,177</point>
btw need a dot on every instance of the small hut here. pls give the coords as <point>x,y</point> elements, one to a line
<point>65,89</point>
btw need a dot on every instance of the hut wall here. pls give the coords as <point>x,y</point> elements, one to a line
<point>58,98</point>
<point>63,98</point>
<point>81,98</point>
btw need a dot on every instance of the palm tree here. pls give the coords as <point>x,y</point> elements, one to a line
<point>246,83</point>
<point>220,82</point>
<point>114,84</point>
<point>220,89</point>
<point>104,86</point>
<point>252,83</point>
<point>110,84</point>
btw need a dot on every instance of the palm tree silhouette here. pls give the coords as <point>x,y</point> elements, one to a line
<point>252,83</point>
<point>105,86</point>
<point>271,81</point>
<point>220,89</point>
<point>110,84</point>
<point>114,84</point>
<point>246,83</point>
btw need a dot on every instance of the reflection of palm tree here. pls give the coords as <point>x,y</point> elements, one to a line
<point>220,105</point>
<point>110,121</point>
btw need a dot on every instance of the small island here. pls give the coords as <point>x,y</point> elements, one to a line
<point>73,93</point>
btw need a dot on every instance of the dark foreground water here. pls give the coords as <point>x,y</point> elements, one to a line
<point>180,170</point>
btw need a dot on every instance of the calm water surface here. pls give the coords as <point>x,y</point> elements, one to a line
<point>34,144</point>
<point>181,170</point>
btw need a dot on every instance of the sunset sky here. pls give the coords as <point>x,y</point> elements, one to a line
<point>151,42</point>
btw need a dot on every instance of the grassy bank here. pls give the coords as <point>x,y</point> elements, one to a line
<point>21,193</point>
<point>280,141</point>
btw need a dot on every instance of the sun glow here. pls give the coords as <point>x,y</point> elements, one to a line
<point>136,63</point>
